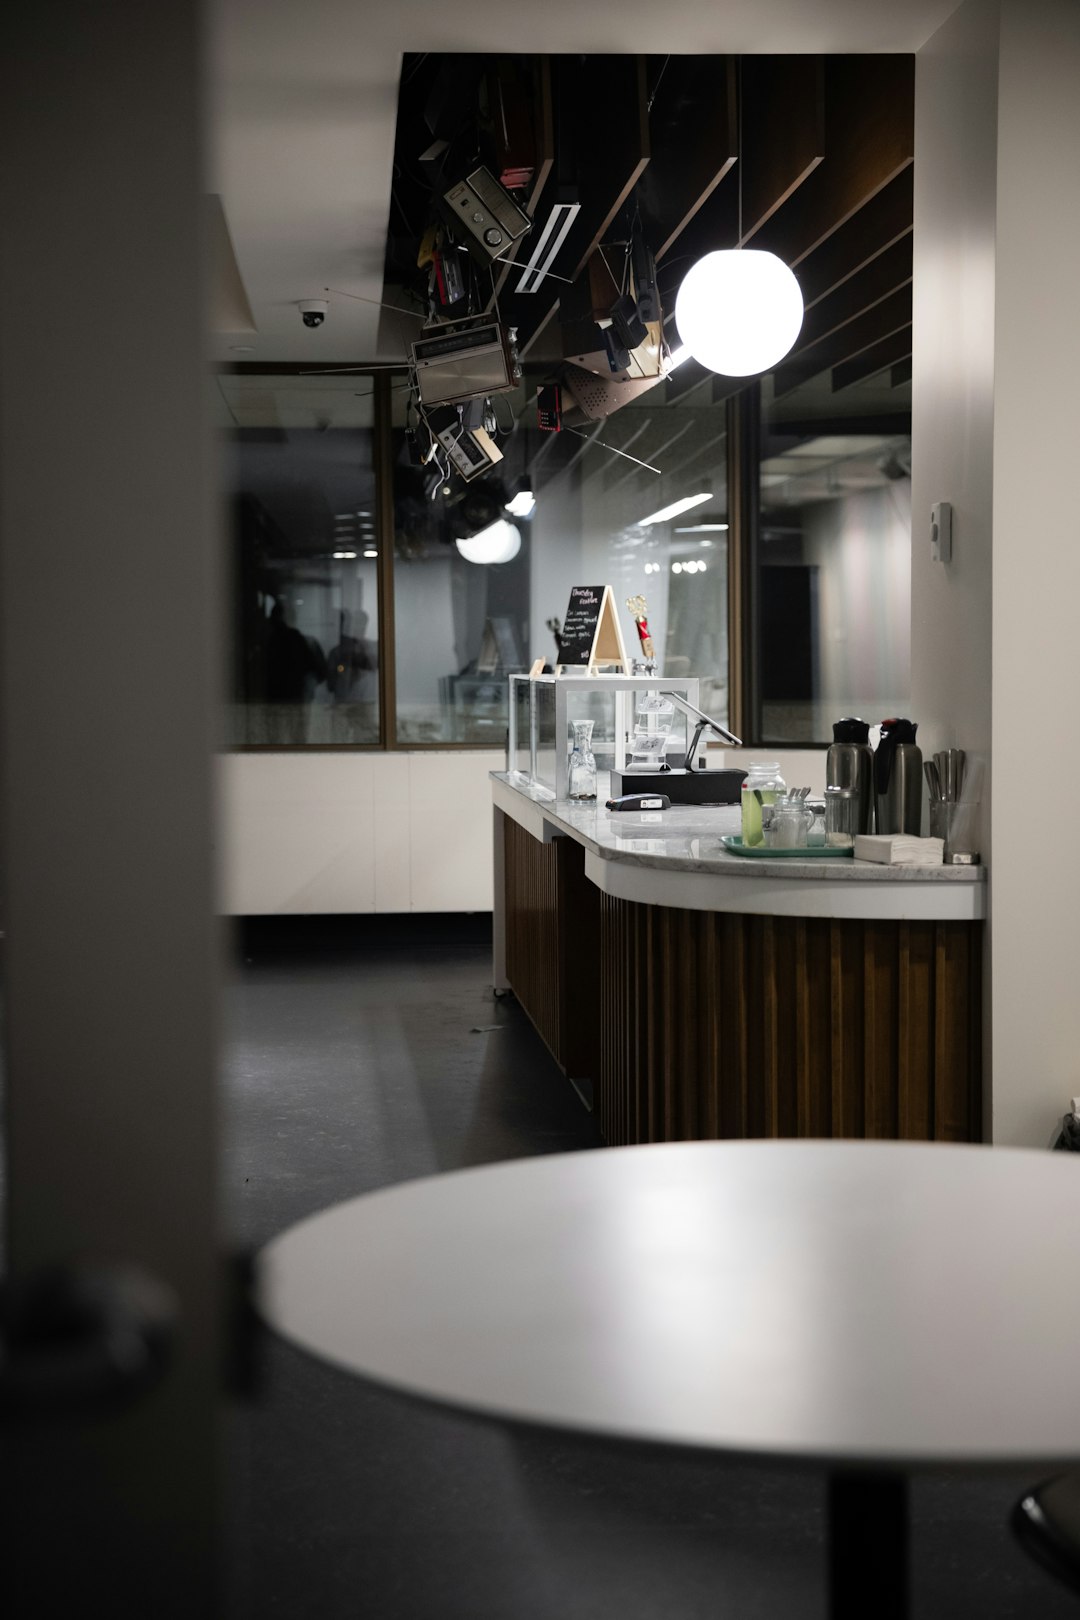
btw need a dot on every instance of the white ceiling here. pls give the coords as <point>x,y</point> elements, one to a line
<point>303,104</point>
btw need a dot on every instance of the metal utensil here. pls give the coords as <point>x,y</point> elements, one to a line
<point>941,764</point>
<point>933,780</point>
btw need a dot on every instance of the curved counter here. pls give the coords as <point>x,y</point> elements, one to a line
<point>697,993</point>
<point>676,858</point>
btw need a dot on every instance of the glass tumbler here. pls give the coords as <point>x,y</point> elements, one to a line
<point>841,817</point>
<point>581,767</point>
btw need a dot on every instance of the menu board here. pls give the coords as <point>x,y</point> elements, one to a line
<point>581,623</point>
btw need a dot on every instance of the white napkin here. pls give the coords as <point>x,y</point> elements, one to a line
<point>899,849</point>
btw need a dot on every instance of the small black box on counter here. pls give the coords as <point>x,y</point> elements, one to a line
<point>681,786</point>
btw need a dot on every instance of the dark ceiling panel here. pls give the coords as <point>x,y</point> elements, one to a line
<point>783,132</point>
<point>869,139</point>
<point>891,349</point>
<point>845,343</point>
<point>693,133</point>
<point>602,149</point>
<point>882,276</point>
<point>876,226</point>
<point>543,123</point>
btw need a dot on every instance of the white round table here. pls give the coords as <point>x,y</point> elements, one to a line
<point>873,1307</point>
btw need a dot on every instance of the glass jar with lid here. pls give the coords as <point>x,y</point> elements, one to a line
<point>763,785</point>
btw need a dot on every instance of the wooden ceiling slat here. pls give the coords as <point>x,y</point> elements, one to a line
<point>869,140</point>
<point>880,223</point>
<point>783,132</point>
<point>846,342</point>
<point>693,131</point>
<point>882,276</point>
<point>897,346</point>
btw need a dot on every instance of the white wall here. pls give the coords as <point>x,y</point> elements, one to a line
<point>953,379</point>
<point>996,425</point>
<point>325,832</point>
<point>1036,567</point>
<point>956,89</point>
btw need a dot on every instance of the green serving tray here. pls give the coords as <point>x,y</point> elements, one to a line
<point>761,852</point>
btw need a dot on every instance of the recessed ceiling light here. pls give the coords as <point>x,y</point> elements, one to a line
<point>676,509</point>
<point>676,568</point>
<point>344,556</point>
<point>371,552</point>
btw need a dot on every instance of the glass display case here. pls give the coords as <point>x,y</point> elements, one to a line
<point>544,709</point>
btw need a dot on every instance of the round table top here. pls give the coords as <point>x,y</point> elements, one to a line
<point>839,1301</point>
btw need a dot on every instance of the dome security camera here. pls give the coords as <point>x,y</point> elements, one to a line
<point>313,311</point>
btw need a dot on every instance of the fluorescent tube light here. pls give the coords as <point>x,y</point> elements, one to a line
<point>522,504</point>
<point>344,556</point>
<point>676,509</point>
<point>703,528</point>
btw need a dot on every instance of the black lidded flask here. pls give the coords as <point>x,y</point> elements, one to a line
<point>898,779</point>
<point>850,764</point>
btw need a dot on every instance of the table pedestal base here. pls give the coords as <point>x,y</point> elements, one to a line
<point>868,1546</point>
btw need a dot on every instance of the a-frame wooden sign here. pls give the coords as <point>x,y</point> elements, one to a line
<point>591,636</point>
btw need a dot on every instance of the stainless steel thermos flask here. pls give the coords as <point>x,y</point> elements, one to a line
<point>850,764</point>
<point>898,779</point>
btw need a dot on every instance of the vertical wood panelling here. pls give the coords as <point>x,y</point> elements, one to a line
<point>915,1033</point>
<point>846,1027</point>
<point>703,1024</point>
<point>880,1030</point>
<point>532,946</point>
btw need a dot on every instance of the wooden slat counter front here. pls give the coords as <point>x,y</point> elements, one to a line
<point>707,995</point>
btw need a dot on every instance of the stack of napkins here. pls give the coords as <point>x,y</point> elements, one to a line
<point>899,849</point>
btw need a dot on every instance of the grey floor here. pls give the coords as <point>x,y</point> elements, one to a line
<point>358,1058</point>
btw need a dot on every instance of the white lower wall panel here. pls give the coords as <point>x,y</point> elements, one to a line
<point>312,833</point>
<point>450,830</point>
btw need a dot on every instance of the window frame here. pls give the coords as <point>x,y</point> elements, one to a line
<point>743,449</point>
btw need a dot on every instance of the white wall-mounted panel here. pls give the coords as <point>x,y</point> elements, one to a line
<point>393,848</point>
<point>299,833</point>
<point>311,833</point>
<point>450,830</point>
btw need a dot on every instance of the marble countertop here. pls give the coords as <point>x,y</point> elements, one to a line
<point>687,838</point>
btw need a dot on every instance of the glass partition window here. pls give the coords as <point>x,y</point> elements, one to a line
<point>300,477</point>
<point>483,571</point>
<point>833,558</point>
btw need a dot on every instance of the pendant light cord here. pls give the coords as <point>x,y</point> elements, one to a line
<point>739,140</point>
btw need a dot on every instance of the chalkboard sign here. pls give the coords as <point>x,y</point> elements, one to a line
<point>591,636</point>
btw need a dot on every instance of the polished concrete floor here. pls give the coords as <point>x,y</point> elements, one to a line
<point>362,1054</point>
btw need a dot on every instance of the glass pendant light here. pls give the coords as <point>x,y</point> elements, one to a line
<point>739,310</point>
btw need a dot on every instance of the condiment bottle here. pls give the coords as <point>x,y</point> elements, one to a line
<point>763,785</point>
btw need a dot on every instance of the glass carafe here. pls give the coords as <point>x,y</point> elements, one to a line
<point>581,767</point>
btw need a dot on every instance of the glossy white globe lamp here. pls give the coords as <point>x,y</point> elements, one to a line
<point>739,311</point>
<point>500,542</point>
